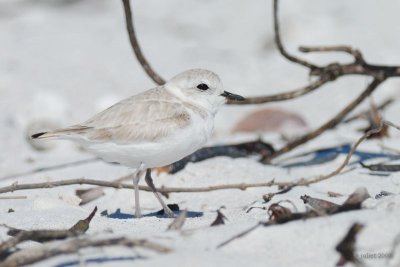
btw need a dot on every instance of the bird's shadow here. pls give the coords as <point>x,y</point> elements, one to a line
<point>158,214</point>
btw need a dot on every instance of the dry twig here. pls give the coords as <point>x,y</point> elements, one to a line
<point>135,45</point>
<point>329,124</point>
<point>32,255</point>
<point>365,113</point>
<point>281,96</point>
<point>279,214</point>
<point>20,236</point>
<point>118,185</point>
<point>345,162</point>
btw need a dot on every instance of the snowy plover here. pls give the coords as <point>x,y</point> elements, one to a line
<point>155,128</point>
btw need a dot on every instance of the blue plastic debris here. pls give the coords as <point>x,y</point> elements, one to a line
<point>328,154</point>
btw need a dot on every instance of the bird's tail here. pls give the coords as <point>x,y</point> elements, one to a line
<point>44,135</point>
<point>60,133</point>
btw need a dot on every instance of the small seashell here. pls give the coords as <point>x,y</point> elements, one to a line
<point>272,120</point>
<point>319,204</point>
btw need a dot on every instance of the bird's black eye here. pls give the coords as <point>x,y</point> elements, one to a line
<point>202,86</point>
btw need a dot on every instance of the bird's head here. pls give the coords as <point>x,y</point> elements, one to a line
<point>200,87</point>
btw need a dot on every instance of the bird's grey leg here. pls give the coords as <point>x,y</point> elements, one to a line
<point>149,182</point>
<point>136,178</point>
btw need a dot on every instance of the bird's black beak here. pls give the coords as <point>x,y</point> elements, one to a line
<point>231,96</point>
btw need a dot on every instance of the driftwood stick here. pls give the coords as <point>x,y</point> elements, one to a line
<point>33,255</point>
<point>282,96</point>
<point>331,123</point>
<point>340,48</point>
<point>280,45</point>
<point>391,124</point>
<point>325,74</point>
<point>241,234</point>
<point>135,45</point>
<point>365,113</point>
<point>118,185</point>
<point>346,161</point>
<point>37,235</point>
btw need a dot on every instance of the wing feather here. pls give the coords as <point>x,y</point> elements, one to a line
<point>141,118</point>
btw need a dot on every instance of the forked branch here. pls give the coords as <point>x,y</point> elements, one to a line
<point>329,124</point>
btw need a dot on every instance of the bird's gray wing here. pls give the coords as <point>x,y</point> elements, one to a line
<point>146,117</point>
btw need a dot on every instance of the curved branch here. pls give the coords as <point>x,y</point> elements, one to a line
<point>358,57</point>
<point>283,96</point>
<point>135,45</point>
<point>280,45</point>
<point>346,160</point>
<point>331,123</point>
